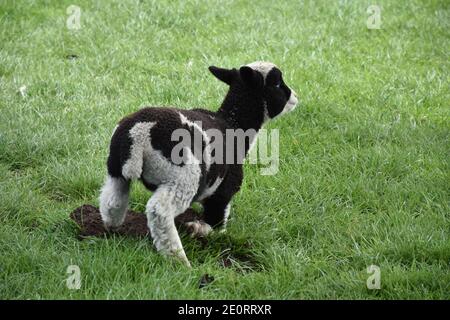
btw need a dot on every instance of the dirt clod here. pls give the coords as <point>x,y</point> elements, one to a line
<point>71,56</point>
<point>237,255</point>
<point>205,280</point>
<point>90,222</point>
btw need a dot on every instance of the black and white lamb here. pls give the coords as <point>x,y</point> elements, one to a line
<point>142,148</point>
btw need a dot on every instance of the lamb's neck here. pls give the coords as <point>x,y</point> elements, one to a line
<point>243,111</point>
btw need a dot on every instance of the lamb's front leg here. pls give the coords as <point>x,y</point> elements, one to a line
<point>217,207</point>
<point>216,214</point>
<point>162,208</point>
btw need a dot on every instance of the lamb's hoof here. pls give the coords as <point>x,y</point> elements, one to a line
<point>198,228</point>
<point>187,264</point>
<point>112,225</point>
<point>109,228</point>
<point>112,228</point>
<point>179,255</point>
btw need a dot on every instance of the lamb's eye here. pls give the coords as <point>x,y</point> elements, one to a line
<point>277,85</point>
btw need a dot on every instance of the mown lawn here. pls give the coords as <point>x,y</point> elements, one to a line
<point>364,171</point>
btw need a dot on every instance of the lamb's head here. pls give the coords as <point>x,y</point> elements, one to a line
<point>263,81</point>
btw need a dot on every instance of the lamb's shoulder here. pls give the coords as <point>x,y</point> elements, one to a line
<point>150,114</point>
<point>172,117</point>
<point>205,118</point>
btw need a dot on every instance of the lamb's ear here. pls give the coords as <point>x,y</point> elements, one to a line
<point>225,75</point>
<point>251,77</point>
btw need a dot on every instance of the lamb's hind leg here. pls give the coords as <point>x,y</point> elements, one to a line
<point>114,201</point>
<point>166,203</point>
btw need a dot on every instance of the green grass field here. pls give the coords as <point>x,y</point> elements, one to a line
<point>364,176</point>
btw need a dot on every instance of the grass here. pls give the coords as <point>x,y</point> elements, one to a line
<point>364,171</point>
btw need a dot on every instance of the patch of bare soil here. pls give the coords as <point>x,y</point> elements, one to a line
<point>88,218</point>
<point>233,255</point>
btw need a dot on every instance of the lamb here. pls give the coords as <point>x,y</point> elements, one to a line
<point>142,144</point>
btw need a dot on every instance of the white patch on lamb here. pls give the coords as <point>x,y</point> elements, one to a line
<point>262,67</point>
<point>227,214</point>
<point>290,104</point>
<point>206,156</point>
<point>140,135</point>
<point>210,190</point>
<point>114,130</point>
